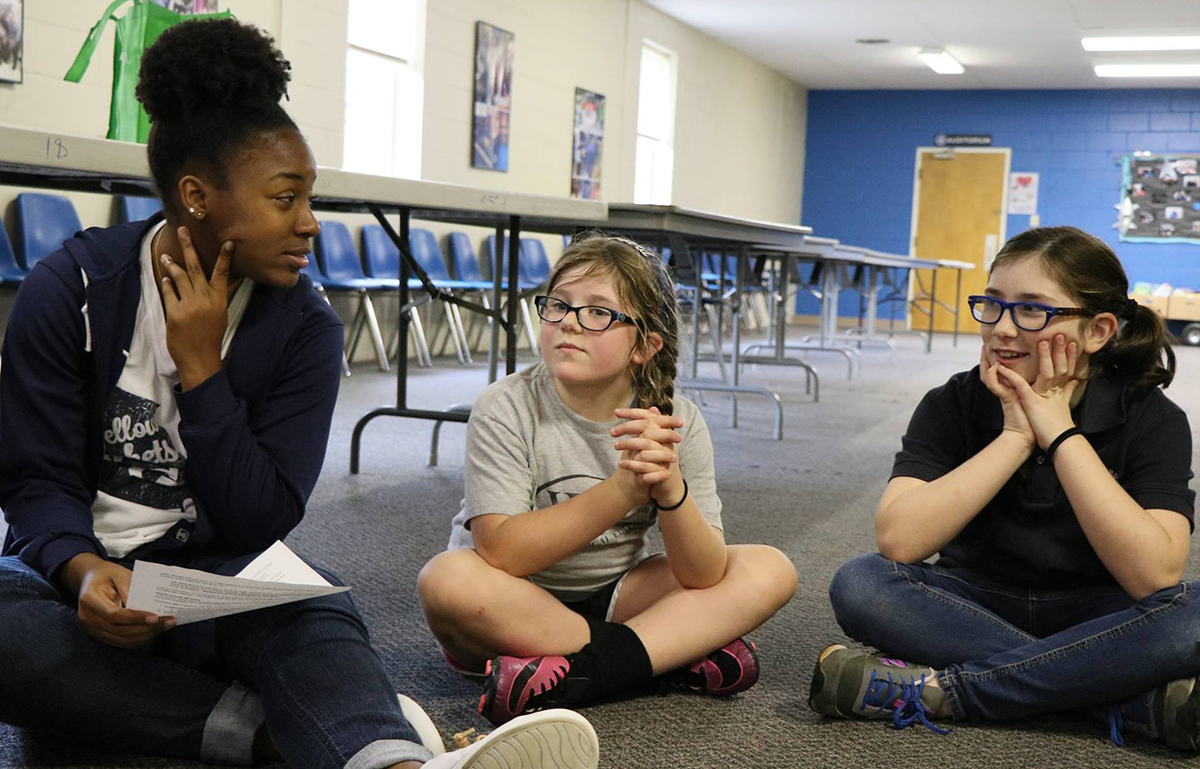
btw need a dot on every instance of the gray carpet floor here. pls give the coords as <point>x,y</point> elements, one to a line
<point>812,495</point>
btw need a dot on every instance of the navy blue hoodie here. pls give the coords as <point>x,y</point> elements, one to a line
<point>255,432</point>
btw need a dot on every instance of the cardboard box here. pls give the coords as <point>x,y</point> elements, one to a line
<point>1156,303</point>
<point>1182,304</point>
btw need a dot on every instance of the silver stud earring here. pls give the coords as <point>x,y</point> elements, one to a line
<point>191,210</point>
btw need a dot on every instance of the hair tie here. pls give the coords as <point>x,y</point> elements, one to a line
<point>1131,308</point>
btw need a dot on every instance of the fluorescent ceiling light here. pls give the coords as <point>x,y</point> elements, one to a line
<point>1161,43</point>
<point>940,62</point>
<point>1148,70</point>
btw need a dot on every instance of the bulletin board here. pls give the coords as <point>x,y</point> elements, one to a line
<point>1160,198</point>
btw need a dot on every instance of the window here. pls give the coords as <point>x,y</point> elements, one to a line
<point>384,88</point>
<point>655,158</point>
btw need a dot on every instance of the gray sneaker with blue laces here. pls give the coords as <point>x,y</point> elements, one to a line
<point>1170,713</point>
<point>849,684</point>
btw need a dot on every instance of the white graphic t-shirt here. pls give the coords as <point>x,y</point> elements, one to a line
<point>143,488</point>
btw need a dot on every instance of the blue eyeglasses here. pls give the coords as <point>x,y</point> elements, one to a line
<point>592,317</point>
<point>1028,316</point>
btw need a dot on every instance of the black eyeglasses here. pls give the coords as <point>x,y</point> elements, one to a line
<point>1028,316</point>
<point>591,317</point>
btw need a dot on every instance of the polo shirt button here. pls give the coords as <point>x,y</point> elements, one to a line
<point>1041,460</point>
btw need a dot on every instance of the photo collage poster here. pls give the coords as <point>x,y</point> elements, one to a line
<point>493,97</point>
<point>587,152</point>
<point>1161,198</point>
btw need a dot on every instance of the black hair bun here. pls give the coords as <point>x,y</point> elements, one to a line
<point>211,65</point>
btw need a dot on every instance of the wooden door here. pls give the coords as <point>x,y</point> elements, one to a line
<point>959,216</point>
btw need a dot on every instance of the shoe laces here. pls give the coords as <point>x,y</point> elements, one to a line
<point>544,697</point>
<point>678,680</point>
<point>903,697</point>
<point>1116,723</point>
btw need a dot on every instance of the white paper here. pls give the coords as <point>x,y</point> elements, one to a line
<point>276,577</point>
<point>279,564</point>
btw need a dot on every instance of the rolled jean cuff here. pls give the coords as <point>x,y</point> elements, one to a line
<point>948,681</point>
<point>230,728</point>
<point>382,753</point>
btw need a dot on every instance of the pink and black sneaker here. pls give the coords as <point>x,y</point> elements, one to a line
<point>731,669</point>
<point>517,685</point>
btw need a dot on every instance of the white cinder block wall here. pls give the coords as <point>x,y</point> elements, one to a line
<point>740,126</point>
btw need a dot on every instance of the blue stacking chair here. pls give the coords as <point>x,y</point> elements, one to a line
<point>533,271</point>
<point>314,274</point>
<point>342,272</point>
<point>11,273</point>
<point>464,265</point>
<point>716,266</point>
<point>535,265</point>
<point>381,259</point>
<point>135,208</point>
<point>428,253</point>
<point>43,223</point>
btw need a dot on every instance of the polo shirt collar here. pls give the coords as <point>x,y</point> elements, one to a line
<point>1103,404</point>
<point>1102,407</point>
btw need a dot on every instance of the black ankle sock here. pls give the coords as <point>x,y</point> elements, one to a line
<point>614,661</point>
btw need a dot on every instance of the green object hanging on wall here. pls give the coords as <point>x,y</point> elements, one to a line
<point>136,30</point>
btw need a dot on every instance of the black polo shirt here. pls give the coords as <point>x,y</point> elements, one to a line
<point>1028,535</point>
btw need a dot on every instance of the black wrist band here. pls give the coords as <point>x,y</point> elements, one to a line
<point>1058,441</point>
<point>678,504</point>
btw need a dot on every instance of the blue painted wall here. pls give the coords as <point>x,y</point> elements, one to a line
<point>858,173</point>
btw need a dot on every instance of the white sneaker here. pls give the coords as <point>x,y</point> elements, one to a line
<point>423,724</point>
<point>548,739</point>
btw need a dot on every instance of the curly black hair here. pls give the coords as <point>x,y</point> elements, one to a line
<point>209,87</point>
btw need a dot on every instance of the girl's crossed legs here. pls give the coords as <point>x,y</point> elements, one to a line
<point>478,611</point>
<point>1005,652</point>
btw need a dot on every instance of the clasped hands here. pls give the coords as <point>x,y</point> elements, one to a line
<point>1040,412</point>
<point>649,466</point>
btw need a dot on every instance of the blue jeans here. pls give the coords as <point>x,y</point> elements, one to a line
<point>305,670</point>
<point>1004,652</point>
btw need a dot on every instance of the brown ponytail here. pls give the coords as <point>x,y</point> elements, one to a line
<point>1139,348</point>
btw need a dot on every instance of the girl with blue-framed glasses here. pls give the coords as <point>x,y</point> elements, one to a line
<point>1052,483</point>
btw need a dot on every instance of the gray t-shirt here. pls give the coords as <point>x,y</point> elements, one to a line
<point>527,450</point>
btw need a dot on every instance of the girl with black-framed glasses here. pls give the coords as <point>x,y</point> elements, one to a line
<point>548,592</point>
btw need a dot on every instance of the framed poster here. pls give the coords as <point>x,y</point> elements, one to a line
<point>588,149</point>
<point>12,41</point>
<point>1160,198</point>
<point>493,97</point>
